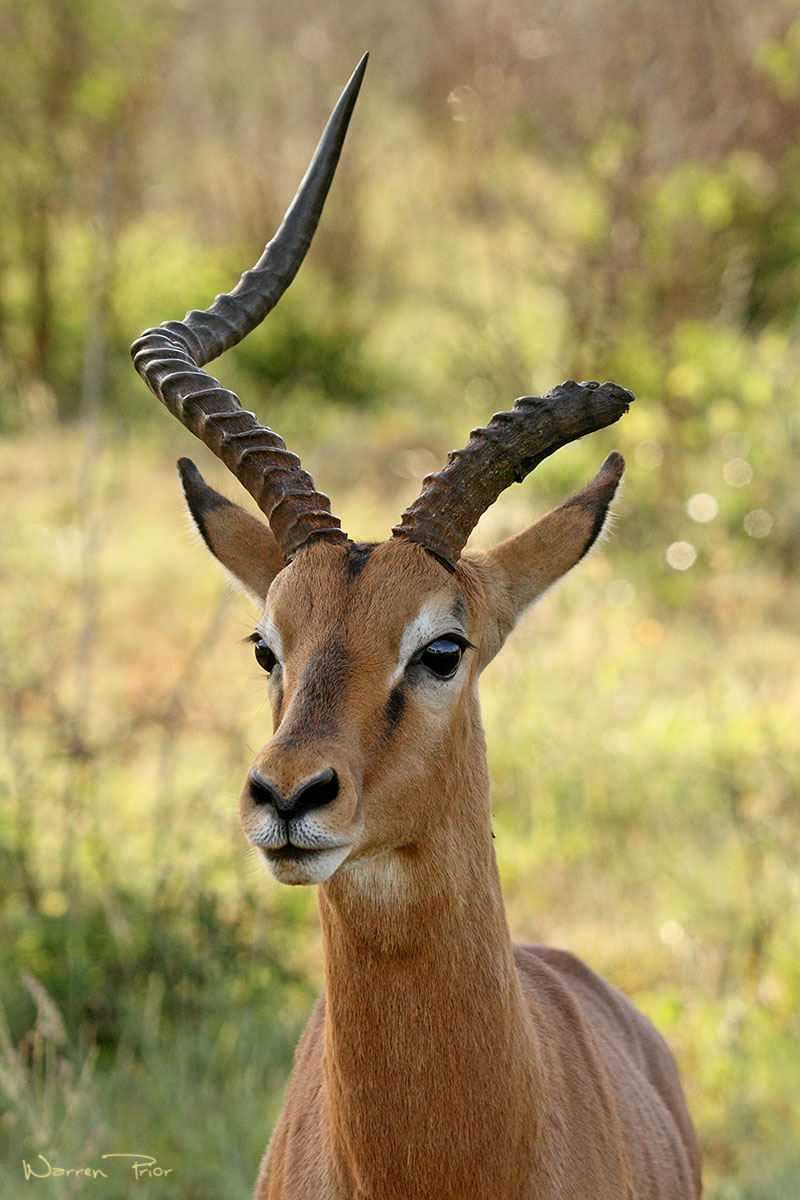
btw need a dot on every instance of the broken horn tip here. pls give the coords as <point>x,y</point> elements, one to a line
<point>620,393</point>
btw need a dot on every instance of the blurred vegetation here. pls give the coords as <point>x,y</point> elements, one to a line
<point>602,190</point>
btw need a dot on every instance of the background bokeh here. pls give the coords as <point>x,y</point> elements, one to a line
<point>589,188</point>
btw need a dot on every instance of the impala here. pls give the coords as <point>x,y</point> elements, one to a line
<point>443,1060</point>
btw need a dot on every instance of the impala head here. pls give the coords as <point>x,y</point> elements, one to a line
<point>371,652</point>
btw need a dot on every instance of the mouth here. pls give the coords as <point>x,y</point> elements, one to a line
<point>294,864</point>
<point>289,853</point>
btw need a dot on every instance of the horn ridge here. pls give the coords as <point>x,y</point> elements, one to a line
<point>513,443</point>
<point>256,455</point>
<point>170,358</point>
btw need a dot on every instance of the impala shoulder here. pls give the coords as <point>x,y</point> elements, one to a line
<point>606,1008</point>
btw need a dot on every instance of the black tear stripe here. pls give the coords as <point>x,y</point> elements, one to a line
<point>395,707</point>
<point>358,554</point>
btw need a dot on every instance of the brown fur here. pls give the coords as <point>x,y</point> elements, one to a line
<point>443,1062</point>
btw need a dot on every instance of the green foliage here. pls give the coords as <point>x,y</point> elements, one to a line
<point>143,956</point>
<point>613,195</point>
<point>138,180</point>
<point>316,346</point>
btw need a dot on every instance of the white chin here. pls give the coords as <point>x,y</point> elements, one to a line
<point>304,867</point>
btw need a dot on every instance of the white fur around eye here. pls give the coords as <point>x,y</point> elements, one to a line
<point>434,620</point>
<point>271,635</point>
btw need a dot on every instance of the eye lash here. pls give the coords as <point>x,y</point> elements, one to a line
<point>460,640</point>
<point>251,637</point>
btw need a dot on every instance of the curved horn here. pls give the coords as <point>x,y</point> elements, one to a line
<point>512,444</point>
<point>170,359</point>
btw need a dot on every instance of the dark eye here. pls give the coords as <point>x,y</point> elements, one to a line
<point>442,657</point>
<point>264,656</point>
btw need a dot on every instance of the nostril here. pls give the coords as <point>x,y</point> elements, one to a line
<point>316,792</point>
<point>261,791</point>
<point>321,789</point>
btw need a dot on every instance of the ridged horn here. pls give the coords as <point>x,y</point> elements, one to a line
<point>170,360</point>
<point>454,499</point>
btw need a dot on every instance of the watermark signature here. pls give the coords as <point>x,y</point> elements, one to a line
<point>143,1166</point>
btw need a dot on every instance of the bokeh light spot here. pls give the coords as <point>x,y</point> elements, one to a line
<point>671,933</point>
<point>480,393</point>
<point>649,455</point>
<point>758,523</point>
<point>619,593</point>
<point>737,472</point>
<point>702,507</point>
<point>463,103</point>
<point>681,555</point>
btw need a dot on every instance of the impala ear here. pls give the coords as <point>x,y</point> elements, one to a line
<point>526,565</point>
<point>245,546</point>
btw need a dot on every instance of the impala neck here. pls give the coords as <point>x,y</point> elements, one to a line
<point>430,1054</point>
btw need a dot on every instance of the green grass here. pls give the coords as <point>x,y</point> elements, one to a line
<point>643,748</point>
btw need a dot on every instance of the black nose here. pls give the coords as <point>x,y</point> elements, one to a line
<point>315,792</point>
